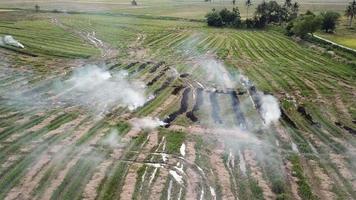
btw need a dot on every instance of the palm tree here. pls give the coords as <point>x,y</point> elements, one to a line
<point>351,11</point>
<point>295,9</point>
<point>248,4</point>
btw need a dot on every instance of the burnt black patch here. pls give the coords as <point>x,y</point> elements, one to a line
<point>165,84</point>
<point>183,108</point>
<point>177,89</point>
<point>141,67</point>
<point>184,75</point>
<point>156,66</point>
<point>130,65</point>
<point>240,119</point>
<point>241,92</point>
<point>155,79</point>
<point>255,97</point>
<point>114,66</point>
<point>215,114</point>
<point>198,102</point>
<point>191,116</point>
<point>287,119</point>
<point>348,129</point>
<point>307,116</point>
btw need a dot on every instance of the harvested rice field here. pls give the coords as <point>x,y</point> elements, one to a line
<point>124,106</point>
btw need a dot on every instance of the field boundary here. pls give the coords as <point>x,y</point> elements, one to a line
<point>114,14</point>
<point>334,44</point>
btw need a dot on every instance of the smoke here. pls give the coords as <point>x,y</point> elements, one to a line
<point>146,123</point>
<point>209,68</point>
<point>270,111</point>
<point>9,40</point>
<point>96,88</point>
<point>112,139</point>
<point>268,104</point>
<point>90,87</point>
<point>216,72</point>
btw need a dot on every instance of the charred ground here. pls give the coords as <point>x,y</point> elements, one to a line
<point>215,143</point>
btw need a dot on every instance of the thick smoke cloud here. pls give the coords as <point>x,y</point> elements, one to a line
<point>146,123</point>
<point>269,106</point>
<point>91,87</point>
<point>216,72</point>
<point>9,40</point>
<point>97,89</point>
<point>270,111</point>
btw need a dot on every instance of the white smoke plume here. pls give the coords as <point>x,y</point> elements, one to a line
<point>269,106</point>
<point>270,111</point>
<point>112,139</point>
<point>9,40</point>
<point>96,88</point>
<point>91,87</point>
<point>216,72</point>
<point>146,123</point>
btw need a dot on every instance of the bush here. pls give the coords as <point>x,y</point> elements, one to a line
<point>227,16</point>
<point>306,24</point>
<point>224,18</point>
<point>214,19</point>
<point>259,22</point>
<point>249,23</point>
<point>237,19</point>
<point>289,28</point>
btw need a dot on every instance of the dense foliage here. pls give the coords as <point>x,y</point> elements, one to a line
<point>329,20</point>
<point>213,18</point>
<point>224,18</point>
<point>309,23</point>
<point>273,13</point>
<point>306,24</point>
<point>350,11</point>
<point>266,13</point>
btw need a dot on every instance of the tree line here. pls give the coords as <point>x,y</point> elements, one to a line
<point>287,15</point>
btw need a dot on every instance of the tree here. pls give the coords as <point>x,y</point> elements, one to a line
<point>306,24</point>
<point>271,11</point>
<point>37,8</point>
<point>295,10</point>
<point>214,19</point>
<point>288,4</point>
<point>233,2</point>
<point>237,19</point>
<point>248,4</point>
<point>134,3</point>
<point>259,22</point>
<point>227,16</point>
<point>224,17</point>
<point>249,23</point>
<point>350,11</point>
<point>329,20</point>
<point>261,14</point>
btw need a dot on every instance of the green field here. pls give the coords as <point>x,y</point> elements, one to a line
<point>58,148</point>
<point>175,8</point>
<point>343,35</point>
